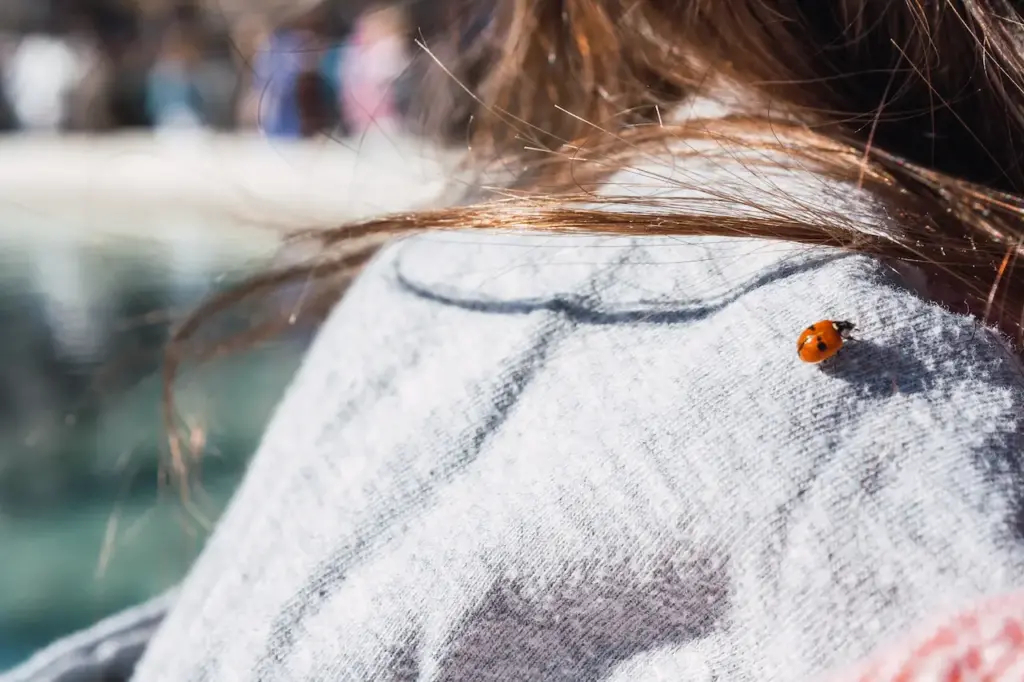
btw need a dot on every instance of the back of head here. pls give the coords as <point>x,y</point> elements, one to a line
<point>937,83</point>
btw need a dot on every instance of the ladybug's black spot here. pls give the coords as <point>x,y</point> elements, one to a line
<point>822,346</point>
<point>811,328</point>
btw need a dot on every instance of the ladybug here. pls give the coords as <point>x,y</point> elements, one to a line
<point>822,340</point>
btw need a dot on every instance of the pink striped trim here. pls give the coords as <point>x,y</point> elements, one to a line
<point>983,643</point>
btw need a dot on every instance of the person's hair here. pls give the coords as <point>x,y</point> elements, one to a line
<point>920,102</point>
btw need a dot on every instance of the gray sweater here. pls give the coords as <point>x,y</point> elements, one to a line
<point>526,457</point>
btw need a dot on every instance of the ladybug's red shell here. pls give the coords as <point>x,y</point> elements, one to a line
<point>822,340</point>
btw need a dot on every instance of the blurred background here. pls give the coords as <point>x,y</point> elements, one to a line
<point>152,153</point>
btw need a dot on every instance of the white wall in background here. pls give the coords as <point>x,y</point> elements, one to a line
<point>126,182</point>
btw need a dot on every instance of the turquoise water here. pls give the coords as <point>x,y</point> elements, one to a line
<point>12,652</point>
<point>85,528</point>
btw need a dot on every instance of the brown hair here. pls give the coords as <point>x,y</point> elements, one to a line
<point>920,102</point>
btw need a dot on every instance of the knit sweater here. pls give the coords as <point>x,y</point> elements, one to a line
<point>526,457</point>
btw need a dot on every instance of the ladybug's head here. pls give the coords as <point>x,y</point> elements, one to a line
<point>843,327</point>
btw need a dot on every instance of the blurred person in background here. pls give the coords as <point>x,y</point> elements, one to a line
<point>293,89</point>
<point>194,79</point>
<point>172,97</point>
<point>320,90</point>
<point>42,73</point>
<point>272,102</point>
<point>376,56</point>
<point>217,77</point>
